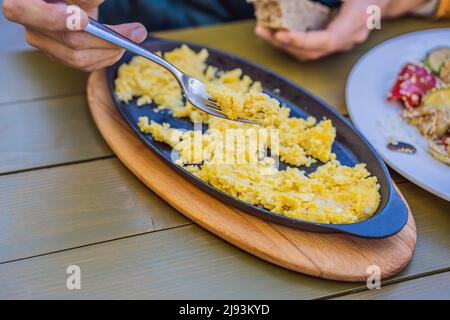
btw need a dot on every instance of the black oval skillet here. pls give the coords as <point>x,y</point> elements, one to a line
<point>350,146</point>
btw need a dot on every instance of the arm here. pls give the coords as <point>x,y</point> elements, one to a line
<point>46,28</point>
<point>444,9</point>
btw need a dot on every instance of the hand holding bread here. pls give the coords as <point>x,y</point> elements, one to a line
<point>46,28</point>
<point>316,33</point>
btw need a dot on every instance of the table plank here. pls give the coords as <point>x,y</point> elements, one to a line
<point>64,207</point>
<point>61,208</point>
<point>433,228</point>
<point>433,287</point>
<point>47,132</point>
<point>190,263</point>
<point>31,75</point>
<point>181,263</point>
<point>57,209</point>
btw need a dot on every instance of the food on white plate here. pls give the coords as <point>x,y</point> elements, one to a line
<point>432,117</point>
<point>295,15</point>
<point>440,150</point>
<point>424,93</point>
<point>445,72</point>
<point>402,147</point>
<point>235,161</point>
<point>412,84</point>
<point>436,59</point>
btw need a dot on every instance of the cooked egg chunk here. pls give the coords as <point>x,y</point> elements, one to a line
<point>236,161</point>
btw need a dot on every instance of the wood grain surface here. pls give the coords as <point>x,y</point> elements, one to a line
<point>30,76</point>
<point>432,287</point>
<point>180,263</point>
<point>106,203</point>
<point>43,133</point>
<point>337,257</point>
<point>106,226</point>
<point>185,263</point>
<point>70,206</point>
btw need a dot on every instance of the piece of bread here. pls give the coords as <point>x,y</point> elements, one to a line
<point>295,15</point>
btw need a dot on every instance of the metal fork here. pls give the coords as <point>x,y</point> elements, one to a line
<point>194,90</point>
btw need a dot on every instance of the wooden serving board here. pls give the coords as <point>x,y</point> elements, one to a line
<point>330,256</point>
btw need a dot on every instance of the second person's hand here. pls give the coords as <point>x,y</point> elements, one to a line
<point>348,29</point>
<point>46,29</point>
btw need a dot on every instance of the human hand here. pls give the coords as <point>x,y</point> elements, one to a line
<point>47,30</point>
<point>347,29</point>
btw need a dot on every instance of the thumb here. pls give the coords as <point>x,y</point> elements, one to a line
<point>133,31</point>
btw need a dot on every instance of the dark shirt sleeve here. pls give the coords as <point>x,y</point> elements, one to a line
<point>171,14</point>
<point>330,3</point>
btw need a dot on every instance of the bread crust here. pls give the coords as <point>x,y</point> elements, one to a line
<point>295,15</point>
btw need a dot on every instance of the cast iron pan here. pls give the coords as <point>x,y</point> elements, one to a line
<point>350,146</point>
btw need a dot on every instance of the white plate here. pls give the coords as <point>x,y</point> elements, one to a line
<point>368,86</point>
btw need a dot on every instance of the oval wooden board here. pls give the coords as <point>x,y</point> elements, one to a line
<point>330,256</point>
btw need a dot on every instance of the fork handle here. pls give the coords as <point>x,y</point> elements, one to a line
<point>99,30</point>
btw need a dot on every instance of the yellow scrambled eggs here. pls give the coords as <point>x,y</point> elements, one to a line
<point>236,161</point>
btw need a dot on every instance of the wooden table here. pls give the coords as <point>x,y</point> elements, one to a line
<point>65,199</point>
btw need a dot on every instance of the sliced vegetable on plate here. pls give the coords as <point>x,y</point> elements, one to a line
<point>436,59</point>
<point>412,84</point>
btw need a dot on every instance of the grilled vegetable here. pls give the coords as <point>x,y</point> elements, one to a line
<point>439,98</point>
<point>436,59</point>
<point>412,84</point>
